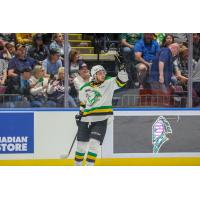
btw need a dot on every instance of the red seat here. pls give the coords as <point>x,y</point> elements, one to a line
<point>150,97</point>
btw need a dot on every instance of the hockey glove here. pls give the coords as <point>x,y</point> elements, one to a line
<point>78,118</point>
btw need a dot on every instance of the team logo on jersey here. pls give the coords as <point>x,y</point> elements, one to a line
<point>93,96</point>
<point>161,130</point>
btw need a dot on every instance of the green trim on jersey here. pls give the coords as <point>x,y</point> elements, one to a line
<point>98,108</point>
<point>85,85</point>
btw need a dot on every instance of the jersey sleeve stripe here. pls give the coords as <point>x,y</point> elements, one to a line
<point>120,83</point>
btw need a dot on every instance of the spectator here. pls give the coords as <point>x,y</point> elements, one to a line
<point>181,71</point>
<point>47,38</point>
<point>38,50</point>
<point>145,52</point>
<point>20,85</point>
<point>52,62</point>
<point>7,37</point>
<point>159,37</point>
<point>181,68</point>
<point>162,67</point>
<point>180,38</point>
<point>39,85</point>
<point>183,65</point>
<point>128,41</point>
<point>74,62</point>
<point>20,61</point>
<point>161,72</point>
<point>82,77</point>
<point>180,74</point>
<point>58,43</point>
<point>10,46</point>
<point>1,49</point>
<point>56,90</point>
<point>196,85</point>
<point>24,38</point>
<point>196,46</point>
<point>167,40</point>
<point>3,71</point>
<point>4,53</point>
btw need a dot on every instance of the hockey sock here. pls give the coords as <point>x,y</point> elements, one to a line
<point>80,153</point>
<point>92,151</point>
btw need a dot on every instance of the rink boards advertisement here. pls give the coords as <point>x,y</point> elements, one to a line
<point>17,133</point>
<point>134,133</point>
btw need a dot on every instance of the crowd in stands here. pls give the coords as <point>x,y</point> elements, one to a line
<point>32,66</point>
<point>32,71</point>
<point>160,62</point>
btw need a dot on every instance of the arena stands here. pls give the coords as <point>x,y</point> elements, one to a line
<point>149,59</point>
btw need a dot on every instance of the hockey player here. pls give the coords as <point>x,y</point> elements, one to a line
<point>96,112</point>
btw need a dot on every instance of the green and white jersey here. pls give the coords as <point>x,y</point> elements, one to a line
<point>96,99</point>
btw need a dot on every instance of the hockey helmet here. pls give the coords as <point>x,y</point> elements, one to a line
<point>96,69</point>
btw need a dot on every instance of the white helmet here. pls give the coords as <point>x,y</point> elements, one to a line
<point>96,69</point>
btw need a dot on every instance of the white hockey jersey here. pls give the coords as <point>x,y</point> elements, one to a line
<point>96,99</point>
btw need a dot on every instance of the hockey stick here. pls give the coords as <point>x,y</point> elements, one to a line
<point>71,146</point>
<point>117,58</point>
<point>78,118</point>
<point>120,61</point>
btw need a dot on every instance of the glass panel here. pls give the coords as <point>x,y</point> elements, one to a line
<point>32,68</point>
<point>156,63</point>
<point>196,70</point>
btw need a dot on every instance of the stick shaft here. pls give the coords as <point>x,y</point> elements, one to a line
<point>71,146</point>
